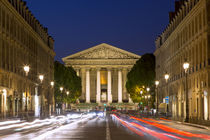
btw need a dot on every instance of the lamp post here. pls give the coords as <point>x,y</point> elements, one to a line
<point>186,67</point>
<point>41,78</point>
<point>51,108</point>
<point>61,89</point>
<point>26,69</point>
<point>141,92</point>
<point>148,101</point>
<point>156,84</point>
<point>52,84</point>
<point>166,78</point>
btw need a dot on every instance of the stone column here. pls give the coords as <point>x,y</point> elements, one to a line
<point>77,70</point>
<point>87,86</point>
<point>109,86</point>
<point>125,94</point>
<point>98,94</point>
<point>119,86</point>
<point>83,78</point>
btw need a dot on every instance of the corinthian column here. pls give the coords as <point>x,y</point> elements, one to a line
<point>98,96</point>
<point>109,86</point>
<point>119,86</point>
<point>87,86</point>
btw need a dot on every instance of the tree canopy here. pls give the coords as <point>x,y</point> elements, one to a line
<point>66,77</point>
<point>141,76</point>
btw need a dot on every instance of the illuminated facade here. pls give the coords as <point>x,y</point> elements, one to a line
<point>24,41</point>
<point>103,70</point>
<point>186,38</point>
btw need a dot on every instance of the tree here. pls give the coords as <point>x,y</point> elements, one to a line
<point>66,77</point>
<point>141,76</point>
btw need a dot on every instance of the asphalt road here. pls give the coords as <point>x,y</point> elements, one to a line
<point>96,128</point>
<point>100,127</point>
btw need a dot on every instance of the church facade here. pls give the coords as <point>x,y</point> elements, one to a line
<point>103,70</point>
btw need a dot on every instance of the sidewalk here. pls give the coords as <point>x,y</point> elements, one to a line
<point>193,124</point>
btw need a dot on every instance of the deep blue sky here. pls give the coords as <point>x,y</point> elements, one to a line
<point>76,25</point>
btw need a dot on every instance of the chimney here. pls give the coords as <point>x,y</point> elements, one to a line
<point>171,16</point>
<point>178,5</point>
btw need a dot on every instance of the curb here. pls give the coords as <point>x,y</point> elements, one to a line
<point>194,125</point>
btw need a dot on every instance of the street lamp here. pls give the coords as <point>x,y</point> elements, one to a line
<point>141,92</point>
<point>61,89</point>
<point>52,83</point>
<point>186,66</point>
<point>148,89</point>
<point>166,78</point>
<point>157,83</point>
<point>26,69</point>
<point>67,92</point>
<point>41,78</point>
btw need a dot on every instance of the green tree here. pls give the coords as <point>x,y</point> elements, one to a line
<point>141,76</point>
<point>66,77</point>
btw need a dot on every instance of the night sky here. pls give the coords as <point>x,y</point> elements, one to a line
<point>76,25</point>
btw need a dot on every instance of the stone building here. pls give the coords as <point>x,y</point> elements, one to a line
<point>24,41</point>
<point>186,38</point>
<point>103,70</point>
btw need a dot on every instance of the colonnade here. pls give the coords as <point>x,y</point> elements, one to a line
<point>119,86</point>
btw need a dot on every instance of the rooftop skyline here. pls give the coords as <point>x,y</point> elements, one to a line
<point>78,25</point>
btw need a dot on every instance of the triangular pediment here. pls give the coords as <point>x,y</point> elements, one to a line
<point>103,51</point>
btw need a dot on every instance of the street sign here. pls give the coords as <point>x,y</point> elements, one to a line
<point>166,99</point>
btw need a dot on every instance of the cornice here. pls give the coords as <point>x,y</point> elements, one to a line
<point>26,25</point>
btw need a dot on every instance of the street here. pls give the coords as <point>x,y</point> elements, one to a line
<point>99,126</point>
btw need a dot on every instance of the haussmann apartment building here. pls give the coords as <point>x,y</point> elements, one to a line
<point>186,39</point>
<point>25,45</point>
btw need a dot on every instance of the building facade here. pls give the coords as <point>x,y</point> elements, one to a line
<point>24,42</point>
<point>103,70</point>
<point>186,38</point>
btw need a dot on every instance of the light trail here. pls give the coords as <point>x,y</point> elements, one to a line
<point>44,135</point>
<point>129,127</point>
<point>159,135</point>
<point>173,130</point>
<point>10,122</point>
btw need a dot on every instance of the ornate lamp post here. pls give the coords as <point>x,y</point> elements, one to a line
<point>52,84</point>
<point>166,76</point>
<point>61,89</point>
<point>26,69</point>
<point>148,101</point>
<point>156,84</point>
<point>186,67</point>
<point>141,92</point>
<point>41,78</point>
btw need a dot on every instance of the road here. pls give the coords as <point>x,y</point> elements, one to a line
<point>94,126</point>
